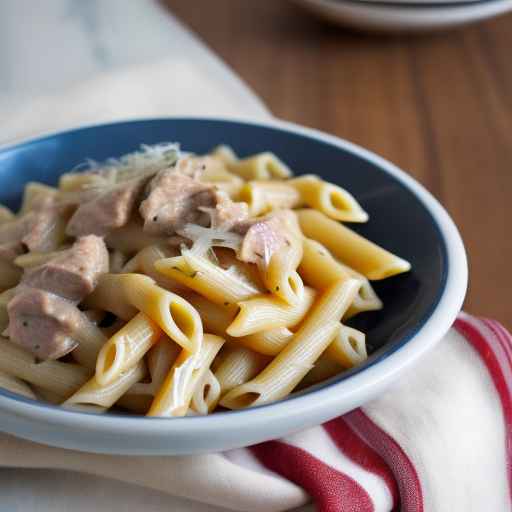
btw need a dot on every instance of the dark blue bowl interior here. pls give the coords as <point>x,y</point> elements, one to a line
<point>398,220</point>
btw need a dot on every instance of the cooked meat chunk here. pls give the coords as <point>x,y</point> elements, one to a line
<point>175,199</point>
<point>266,236</point>
<point>110,210</point>
<point>227,213</point>
<point>41,229</point>
<point>73,274</point>
<point>43,323</point>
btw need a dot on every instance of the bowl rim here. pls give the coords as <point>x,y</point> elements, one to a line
<point>358,384</point>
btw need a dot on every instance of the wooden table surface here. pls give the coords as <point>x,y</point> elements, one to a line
<point>438,106</point>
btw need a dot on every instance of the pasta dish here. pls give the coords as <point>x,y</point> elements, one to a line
<point>166,283</point>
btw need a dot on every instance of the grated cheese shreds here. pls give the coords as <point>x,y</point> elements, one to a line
<point>150,158</point>
<point>205,238</point>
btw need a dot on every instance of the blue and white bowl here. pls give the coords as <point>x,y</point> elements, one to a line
<point>419,307</point>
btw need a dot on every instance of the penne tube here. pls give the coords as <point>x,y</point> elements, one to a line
<point>127,293</point>
<point>95,394</point>
<point>325,368</point>
<point>144,262</point>
<point>288,368</point>
<point>268,312</point>
<point>263,166</point>
<point>56,376</point>
<point>90,340</point>
<point>15,385</point>
<point>34,259</point>
<point>33,193</point>
<point>265,196</point>
<point>348,347</point>
<point>225,154</point>
<point>5,297</point>
<point>268,342</point>
<point>207,394</point>
<point>49,396</point>
<point>175,395</point>
<point>175,316</point>
<point>6,215</point>
<point>117,260</point>
<point>209,280</point>
<point>159,360</point>
<point>330,199</point>
<point>10,274</point>
<point>238,365</point>
<point>216,319</point>
<point>364,256</point>
<point>281,277</point>
<point>78,182</point>
<point>135,402</point>
<point>216,174</point>
<point>131,238</point>
<point>126,348</point>
<point>319,269</point>
<point>108,296</point>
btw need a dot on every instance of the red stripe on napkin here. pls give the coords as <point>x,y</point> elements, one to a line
<point>411,495</point>
<point>356,449</point>
<point>493,344</point>
<point>332,490</point>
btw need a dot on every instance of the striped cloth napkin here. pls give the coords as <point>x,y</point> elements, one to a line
<point>439,440</point>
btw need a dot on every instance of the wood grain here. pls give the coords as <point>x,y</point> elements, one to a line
<point>439,106</point>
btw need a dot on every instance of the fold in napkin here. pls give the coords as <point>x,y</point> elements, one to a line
<point>439,440</point>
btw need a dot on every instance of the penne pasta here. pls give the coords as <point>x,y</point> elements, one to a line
<point>34,259</point>
<point>216,319</point>
<point>325,368</point>
<point>281,277</point>
<point>6,215</point>
<point>95,394</point>
<point>364,256</point>
<point>56,376</point>
<point>225,154</point>
<point>175,395</point>
<point>15,385</point>
<point>238,365</point>
<point>126,348</point>
<point>34,193</point>
<point>144,262</point>
<point>5,297</point>
<point>263,166</point>
<point>287,369</point>
<point>268,312</point>
<point>348,347</point>
<point>125,294</point>
<point>319,269</point>
<point>10,274</point>
<point>207,394</point>
<point>265,196</point>
<point>131,238</point>
<point>157,247</point>
<point>331,200</point>
<point>209,280</point>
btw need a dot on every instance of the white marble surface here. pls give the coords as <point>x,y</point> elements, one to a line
<point>115,58</point>
<point>68,62</point>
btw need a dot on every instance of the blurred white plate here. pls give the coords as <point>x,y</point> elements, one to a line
<point>396,18</point>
